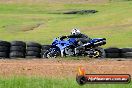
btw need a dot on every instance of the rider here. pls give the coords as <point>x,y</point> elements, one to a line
<point>80,38</point>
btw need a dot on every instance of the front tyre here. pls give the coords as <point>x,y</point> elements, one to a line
<point>51,54</point>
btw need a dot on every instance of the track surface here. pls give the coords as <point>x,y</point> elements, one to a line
<point>65,68</point>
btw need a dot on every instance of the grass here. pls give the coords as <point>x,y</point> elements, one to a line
<point>41,82</point>
<point>113,21</point>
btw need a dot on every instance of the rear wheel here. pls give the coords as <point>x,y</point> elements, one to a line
<point>99,52</point>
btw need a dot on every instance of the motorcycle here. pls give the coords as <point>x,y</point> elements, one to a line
<point>67,47</point>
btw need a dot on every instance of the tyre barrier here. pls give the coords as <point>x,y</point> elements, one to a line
<point>114,52</point>
<point>126,53</point>
<point>33,50</point>
<point>17,49</point>
<point>4,49</point>
<point>20,49</point>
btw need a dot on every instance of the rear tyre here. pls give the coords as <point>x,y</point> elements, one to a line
<point>99,53</point>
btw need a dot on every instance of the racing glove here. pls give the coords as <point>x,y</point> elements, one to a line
<point>63,37</point>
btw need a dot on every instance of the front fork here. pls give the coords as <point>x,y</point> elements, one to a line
<point>62,53</point>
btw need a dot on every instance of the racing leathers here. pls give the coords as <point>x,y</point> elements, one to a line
<point>80,38</point>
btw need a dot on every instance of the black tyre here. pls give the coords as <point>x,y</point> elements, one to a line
<point>112,50</point>
<point>4,43</point>
<point>33,53</point>
<point>36,49</point>
<point>113,55</point>
<point>126,55</point>
<point>46,47</point>
<point>33,44</point>
<point>32,57</point>
<point>4,49</point>
<point>16,54</point>
<point>18,48</point>
<point>18,43</point>
<point>4,55</point>
<point>124,50</point>
<point>100,53</point>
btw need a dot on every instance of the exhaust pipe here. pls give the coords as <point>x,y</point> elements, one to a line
<point>100,42</point>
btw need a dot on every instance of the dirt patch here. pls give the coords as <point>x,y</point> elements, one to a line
<point>55,68</point>
<point>23,27</point>
<point>33,27</point>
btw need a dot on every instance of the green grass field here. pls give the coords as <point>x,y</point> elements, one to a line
<point>39,82</point>
<point>113,21</point>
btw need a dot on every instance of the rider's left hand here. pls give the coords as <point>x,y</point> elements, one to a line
<point>63,37</point>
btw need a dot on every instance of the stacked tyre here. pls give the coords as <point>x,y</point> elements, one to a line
<point>44,49</point>
<point>113,52</point>
<point>4,49</point>
<point>126,52</point>
<point>33,50</point>
<point>17,49</point>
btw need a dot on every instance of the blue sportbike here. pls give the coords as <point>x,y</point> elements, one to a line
<point>67,47</point>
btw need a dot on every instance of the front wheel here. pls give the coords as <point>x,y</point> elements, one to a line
<point>51,53</point>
